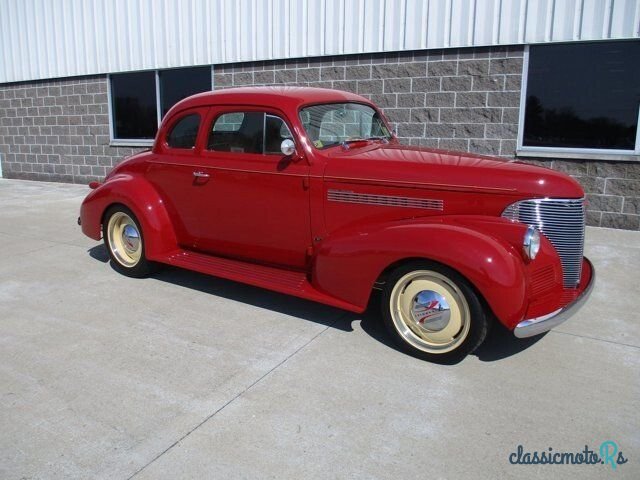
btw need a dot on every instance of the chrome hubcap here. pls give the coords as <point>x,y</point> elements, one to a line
<point>130,238</point>
<point>429,311</point>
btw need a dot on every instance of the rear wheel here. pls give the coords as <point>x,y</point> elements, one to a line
<point>432,312</point>
<point>124,241</point>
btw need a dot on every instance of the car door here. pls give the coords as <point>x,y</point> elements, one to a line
<point>177,175</point>
<point>257,198</point>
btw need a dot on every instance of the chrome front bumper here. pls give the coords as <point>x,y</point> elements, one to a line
<point>536,326</point>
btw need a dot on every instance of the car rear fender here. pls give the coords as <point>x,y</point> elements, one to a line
<point>348,263</point>
<point>143,200</point>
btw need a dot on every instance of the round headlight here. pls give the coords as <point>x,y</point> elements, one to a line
<point>531,242</point>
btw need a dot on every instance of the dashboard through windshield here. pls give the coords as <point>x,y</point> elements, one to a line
<point>336,123</point>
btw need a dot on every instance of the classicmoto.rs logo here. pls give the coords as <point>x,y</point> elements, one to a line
<point>608,453</point>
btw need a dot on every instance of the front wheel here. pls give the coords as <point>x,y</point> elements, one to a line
<point>124,241</point>
<point>432,312</point>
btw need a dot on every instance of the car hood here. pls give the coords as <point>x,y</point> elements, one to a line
<point>417,167</point>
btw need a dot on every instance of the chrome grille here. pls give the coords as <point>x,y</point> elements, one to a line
<point>562,222</point>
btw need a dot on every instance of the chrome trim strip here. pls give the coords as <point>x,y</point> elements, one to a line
<point>536,326</point>
<point>232,170</point>
<point>408,184</point>
<point>347,196</point>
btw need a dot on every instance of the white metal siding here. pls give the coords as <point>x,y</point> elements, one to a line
<point>59,38</point>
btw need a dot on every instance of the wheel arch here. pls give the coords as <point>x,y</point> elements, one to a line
<point>139,196</point>
<point>109,206</point>
<point>381,280</point>
<point>389,269</point>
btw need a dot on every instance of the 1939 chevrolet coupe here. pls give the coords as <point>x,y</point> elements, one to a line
<point>308,192</point>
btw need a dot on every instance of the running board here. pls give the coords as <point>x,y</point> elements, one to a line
<point>276,279</point>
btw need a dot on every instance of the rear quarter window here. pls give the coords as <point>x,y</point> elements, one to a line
<point>184,132</point>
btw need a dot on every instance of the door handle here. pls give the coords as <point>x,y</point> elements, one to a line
<point>198,174</point>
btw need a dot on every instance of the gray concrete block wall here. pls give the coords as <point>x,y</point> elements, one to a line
<point>459,99</point>
<point>57,130</point>
<point>455,99</point>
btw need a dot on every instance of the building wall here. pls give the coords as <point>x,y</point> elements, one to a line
<point>57,130</point>
<point>40,40</point>
<point>462,99</point>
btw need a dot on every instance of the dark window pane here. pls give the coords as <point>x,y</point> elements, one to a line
<point>133,97</point>
<point>583,95</point>
<point>240,132</point>
<point>182,83</point>
<point>276,132</point>
<point>184,133</point>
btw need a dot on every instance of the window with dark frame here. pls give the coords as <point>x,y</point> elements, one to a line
<point>135,106</point>
<point>583,96</point>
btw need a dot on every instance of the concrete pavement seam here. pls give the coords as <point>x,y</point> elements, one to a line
<point>596,339</point>
<point>274,368</point>
<point>38,249</point>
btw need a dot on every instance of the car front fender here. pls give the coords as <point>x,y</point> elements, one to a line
<point>348,263</point>
<point>137,194</point>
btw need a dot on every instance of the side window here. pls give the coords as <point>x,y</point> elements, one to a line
<point>240,132</point>
<point>184,132</point>
<point>275,132</point>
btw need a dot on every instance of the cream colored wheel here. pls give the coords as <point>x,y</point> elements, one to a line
<point>429,312</point>
<point>124,239</point>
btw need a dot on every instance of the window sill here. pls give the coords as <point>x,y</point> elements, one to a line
<point>578,155</point>
<point>131,143</point>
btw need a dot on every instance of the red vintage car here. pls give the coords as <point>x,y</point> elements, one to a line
<point>308,192</point>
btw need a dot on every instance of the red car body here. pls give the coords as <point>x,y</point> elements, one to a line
<point>328,224</point>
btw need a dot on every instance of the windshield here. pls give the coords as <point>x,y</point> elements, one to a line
<point>335,123</point>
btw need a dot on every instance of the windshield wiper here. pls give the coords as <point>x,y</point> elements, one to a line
<point>362,139</point>
<point>383,139</point>
<point>345,143</point>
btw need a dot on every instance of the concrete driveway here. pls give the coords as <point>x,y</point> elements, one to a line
<point>187,376</point>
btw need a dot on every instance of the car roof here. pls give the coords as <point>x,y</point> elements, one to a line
<point>283,97</point>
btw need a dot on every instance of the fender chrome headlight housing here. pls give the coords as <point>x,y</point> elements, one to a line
<point>531,242</point>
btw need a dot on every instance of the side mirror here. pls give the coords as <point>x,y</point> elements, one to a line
<point>287,147</point>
